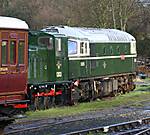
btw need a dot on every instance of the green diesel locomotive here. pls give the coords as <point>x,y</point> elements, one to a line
<point>71,64</point>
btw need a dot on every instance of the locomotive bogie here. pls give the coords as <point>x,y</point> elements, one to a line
<point>101,87</point>
<point>46,95</point>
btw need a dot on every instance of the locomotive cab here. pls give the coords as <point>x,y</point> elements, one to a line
<point>48,68</point>
<point>47,58</point>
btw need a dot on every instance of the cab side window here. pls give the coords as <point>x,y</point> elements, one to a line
<point>72,47</point>
<point>58,46</point>
<point>46,41</point>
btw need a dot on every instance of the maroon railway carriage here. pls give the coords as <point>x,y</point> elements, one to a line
<point>13,63</point>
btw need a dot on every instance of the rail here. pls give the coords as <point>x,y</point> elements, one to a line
<point>126,128</point>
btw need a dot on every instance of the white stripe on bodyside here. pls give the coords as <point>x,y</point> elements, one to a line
<point>103,57</point>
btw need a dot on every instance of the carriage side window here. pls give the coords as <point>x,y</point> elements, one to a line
<point>4,52</point>
<point>21,47</point>
<point>72,47</point>
<point>13,52</point>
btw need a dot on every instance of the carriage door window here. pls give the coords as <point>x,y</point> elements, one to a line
<point>4,52</point>
<point>21,46</point>
<point>13,52</point>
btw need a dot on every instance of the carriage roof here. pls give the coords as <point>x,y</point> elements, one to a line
<point>91,34</point>
<point>12,23</point>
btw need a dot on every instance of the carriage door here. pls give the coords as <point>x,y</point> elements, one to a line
<point>61,59</point>
<point>4,64</point>
<point>12,62</point>
<point>16,59</point>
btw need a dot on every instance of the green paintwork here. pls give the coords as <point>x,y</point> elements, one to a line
<point>102,67</point>
<point>45,63</point>
<point>40,70</point>
<point>61,60</point>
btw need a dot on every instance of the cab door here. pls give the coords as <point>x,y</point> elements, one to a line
<point>61,60</point>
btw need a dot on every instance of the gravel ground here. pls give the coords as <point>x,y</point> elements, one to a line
<point>89,120</point>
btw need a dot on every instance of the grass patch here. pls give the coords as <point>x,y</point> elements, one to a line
<point>141,93</point>
<point>143,88</point>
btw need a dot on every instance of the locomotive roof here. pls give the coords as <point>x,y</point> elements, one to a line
<point>12,23</point>
<point>40,33</point>
<point>91,34</point>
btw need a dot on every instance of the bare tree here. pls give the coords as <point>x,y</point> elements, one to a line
<point>113,14</point>
<point>3,5</point>
<point>122,11</point>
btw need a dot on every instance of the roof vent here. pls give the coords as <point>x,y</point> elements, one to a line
<point>52,30</point>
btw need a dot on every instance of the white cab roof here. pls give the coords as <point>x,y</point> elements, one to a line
<point>12,23</point>
<point>92,34</point>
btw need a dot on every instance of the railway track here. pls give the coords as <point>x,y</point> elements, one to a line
<point>53,124</point>
<point>137,127</point>
<point>37,125</point>
<point>4,121</point>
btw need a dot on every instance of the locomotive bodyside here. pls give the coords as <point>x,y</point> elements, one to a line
<point>14,62</point>
<point>109,68</point>
<point>97,52</point>
<point>105,59</point>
